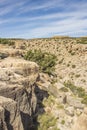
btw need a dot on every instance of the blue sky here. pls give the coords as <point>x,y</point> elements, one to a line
<point>42,18</point>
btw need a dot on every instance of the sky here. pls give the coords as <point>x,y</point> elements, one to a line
<point>42,18</point>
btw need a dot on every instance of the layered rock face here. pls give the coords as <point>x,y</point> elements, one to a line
<point>17,97</point>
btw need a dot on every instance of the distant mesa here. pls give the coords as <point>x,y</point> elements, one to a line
<point>60,37</point>
<point>84,37</point>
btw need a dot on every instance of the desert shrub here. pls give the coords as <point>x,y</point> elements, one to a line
<point>64,89</point>
<point>84,100</point>
<point>68,65</point>
<point>63,122</point>
<point>79,91</point>
<point>77,75</point>
<point>49,101</point>
<point>73,66</point>
<point>82,40</point>
<point>46,121</point>
<point>46,61</point>
<point>70,86</point>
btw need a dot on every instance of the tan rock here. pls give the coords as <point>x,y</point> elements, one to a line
<point>80,123</point>
<point>11,118</point>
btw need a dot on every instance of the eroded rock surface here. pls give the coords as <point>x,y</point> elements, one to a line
<point>17,86</point>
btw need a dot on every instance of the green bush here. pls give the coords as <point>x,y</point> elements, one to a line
<point>46,61</point>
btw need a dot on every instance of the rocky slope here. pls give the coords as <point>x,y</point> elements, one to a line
<point>30,100</point>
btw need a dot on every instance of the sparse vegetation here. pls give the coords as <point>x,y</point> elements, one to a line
<point>46,61</point>
<point>73,66</point>
<point>60,106</point>
<point>6,42</point>
<point>79,91</point>
<point>68,65</point>
<point>50,101</point>
<point>63,122</point>
<point>46,121</point>
<point>84,100</point>
<point>77,75</point>
<point>64,89</point>
<point>82,40</point>
<point>56,128</point>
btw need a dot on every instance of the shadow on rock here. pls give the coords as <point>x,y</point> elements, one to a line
<point>7,120</point>
<point>30,122</point>
<point>40,94</point>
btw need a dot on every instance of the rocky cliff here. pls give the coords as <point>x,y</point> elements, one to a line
<point>18,99</point>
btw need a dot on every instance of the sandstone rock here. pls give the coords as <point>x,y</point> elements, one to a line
<point>85,110</point>
<point>59,85</point>
<point>78,112</point>
<point>2,119</point>
<point>75,102</point>
<point>80,123</point>
<point>10,115</point>
<point>3,55</point>
<point>69,111</point>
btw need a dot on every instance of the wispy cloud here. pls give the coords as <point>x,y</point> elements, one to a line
<point>30,19</point>
<point>9,6</point>
<point>40,6</point>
